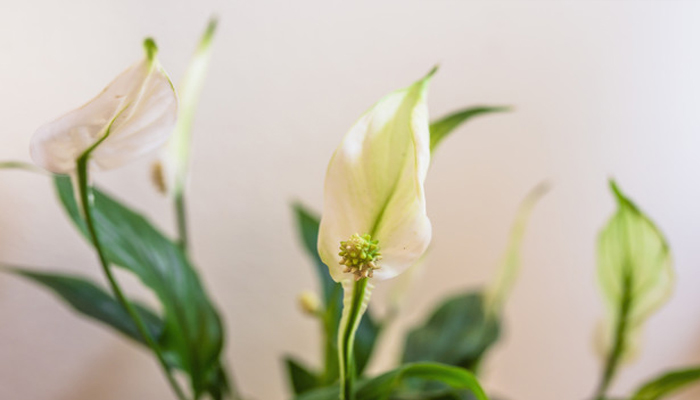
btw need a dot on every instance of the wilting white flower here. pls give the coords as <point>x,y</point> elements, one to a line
<point>133,116</point>
<point>374,220</point>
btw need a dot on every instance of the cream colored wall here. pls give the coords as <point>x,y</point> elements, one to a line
<point>601,89</point>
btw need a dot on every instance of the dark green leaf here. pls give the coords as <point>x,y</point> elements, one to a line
<point>382,386</point>
<point>365,339</point>
<point>301,378</point>
<point>667,384</point>
<point>441,128</point>
<point>192,338</point>
<point>92,301</point>
<point>308,225</point>
<point>457,333</point>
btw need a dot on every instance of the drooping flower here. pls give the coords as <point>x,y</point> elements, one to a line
<point>131,117</point>
<point>374,221</point>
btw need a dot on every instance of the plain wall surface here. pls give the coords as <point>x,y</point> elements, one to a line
<point>599,89</point>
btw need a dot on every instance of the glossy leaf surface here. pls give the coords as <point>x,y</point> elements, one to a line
<point>192,338</point>
<point>458,333</point>
<point>90,300</point>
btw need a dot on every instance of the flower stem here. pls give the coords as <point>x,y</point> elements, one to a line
<point>183,242</point>
<point>181,217</point>
<point>355,302</point>
<point>613,359</point>
<point>85,193</point>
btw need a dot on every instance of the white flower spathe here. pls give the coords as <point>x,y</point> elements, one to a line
<point>375,185</point>
<point>132,116</point>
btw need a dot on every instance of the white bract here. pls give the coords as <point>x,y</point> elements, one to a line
<point>374,201</point>
<point>133,116</point>
<point>176,155</point>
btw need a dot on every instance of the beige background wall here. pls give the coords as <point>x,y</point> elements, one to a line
<point>601,89</point>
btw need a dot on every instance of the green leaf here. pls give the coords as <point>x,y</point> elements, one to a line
<point>383,386</point>
<point>192,338</point>
<point>441,128</point>
<point>92,301</point>
<point>300,377</point>
<point>307,225</point>
<point>365,340</point>
<point>634,270</point>
<point>667,384</point>
<point>457,333</point>
<point>497,292</point>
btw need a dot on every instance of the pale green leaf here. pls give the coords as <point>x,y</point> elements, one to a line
<point>635,272</point>
<point>495,295</point>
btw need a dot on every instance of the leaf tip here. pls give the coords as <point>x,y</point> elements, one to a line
<point>619,196</point>
<point>151,48</point>
<point>209,32</point>
<point>432,72</point>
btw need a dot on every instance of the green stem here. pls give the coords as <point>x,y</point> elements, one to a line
<point>183,242</point>
<point>181,217</point>
<point>85,200</point>
<point>354,305</point>
<point>613,360</point>
<point>330,328</point>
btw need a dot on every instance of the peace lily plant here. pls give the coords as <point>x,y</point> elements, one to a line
<point>374,228</point>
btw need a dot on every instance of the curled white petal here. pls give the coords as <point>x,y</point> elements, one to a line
<point>139,108</point>
<point>374,184</point>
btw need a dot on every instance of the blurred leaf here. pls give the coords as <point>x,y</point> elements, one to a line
<point>667,384</point>
<point>365,340</point>
<point>496,294</point>
<point>457,333</point>
<point>21,165</point>
<point>301,378</point>
<point>369,329</point>
<point>634,270</point>
<point>441,128</point>
<point>92,301</point>
<point>382,386</point>
<point>307,225</point>
<point>192,338</point>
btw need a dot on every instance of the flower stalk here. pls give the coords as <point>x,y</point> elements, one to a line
<point>355,301</point>
<point>85,193</point>
<point>181,220</point>
<point>374,207</point>
<point>613,358</point>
